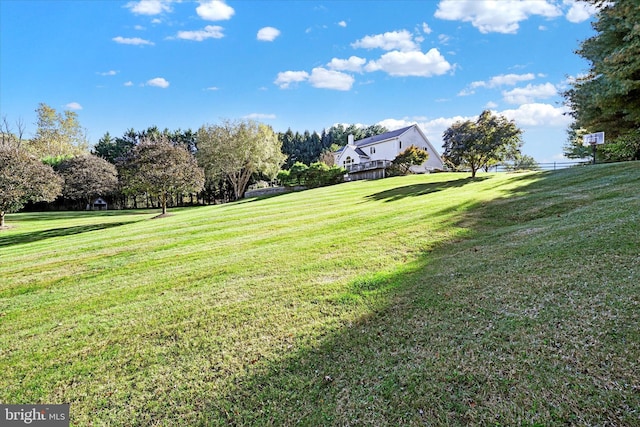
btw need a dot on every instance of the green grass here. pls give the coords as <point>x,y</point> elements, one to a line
<point>422,300</point>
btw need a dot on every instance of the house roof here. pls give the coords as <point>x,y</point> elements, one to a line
<point>358,151</point>
<point>373,139</point>
<point>382,136</point>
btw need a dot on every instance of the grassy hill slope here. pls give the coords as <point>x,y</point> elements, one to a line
<point>437,300</point>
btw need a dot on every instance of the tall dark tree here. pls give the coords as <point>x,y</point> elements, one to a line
<point>159,168</point>
<point>24,178</point>
<point>473,145</point>
<point>112,149</point>
<point>607,99</point>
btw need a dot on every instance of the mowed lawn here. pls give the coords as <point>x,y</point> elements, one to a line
<point>421,300</point>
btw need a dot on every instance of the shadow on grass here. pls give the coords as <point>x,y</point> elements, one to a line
<point>60,215</point>
<point>17,239</point>
<point>416,190</point>
<point>433,350</point>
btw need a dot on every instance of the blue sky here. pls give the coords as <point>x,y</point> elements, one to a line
<point>303,65</point>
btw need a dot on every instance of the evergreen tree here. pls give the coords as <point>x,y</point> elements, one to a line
<point>607,99</point>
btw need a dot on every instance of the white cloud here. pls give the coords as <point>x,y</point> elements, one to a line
<point>129,83</point>
<point>393,40</point>
<point>139,27</point>
<point>353,64</point>
<point>508,79</point>
<point>490,16</point>
<point>137,41</point>
<point>444,39</point>
<point>214,10</point>
<point>426,28</point>
<point>528,94</point>
<point>330,79</point>
<point>537,114</point>
<point>497,81</point>
<point>74,106</point>
<point>212,88</point>
<point>286,78</point>
<point>342,24</point>
<point>158,82</point>
<point>209,32</point>
<point>413,63</point>
<point>260,116</point>
<point>149,7</point>
<point>579,11</point>
<point>393,124</point>
<point>490,105</point>
<point>268,34</point>
<point>108,73</point>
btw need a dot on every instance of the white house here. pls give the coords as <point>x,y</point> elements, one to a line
<point>368,158</point>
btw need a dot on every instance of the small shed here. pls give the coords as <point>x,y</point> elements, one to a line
<point>99,204</point>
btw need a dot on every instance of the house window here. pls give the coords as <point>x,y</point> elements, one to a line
<point>348,161</point>
<point>372,150</point>
<point>399,144</point>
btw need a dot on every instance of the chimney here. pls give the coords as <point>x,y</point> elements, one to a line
<point>350,139</point>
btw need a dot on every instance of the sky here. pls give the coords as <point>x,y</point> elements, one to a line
<point>304,65</point>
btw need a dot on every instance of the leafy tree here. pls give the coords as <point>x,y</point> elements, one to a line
<point>57,134</point>
<point>411,156</point>
<point>298,172</point>
<point>524,162</point>
<point>607,99</point>
<point>327,156</point>
<point>235,150</point>
<point>625,147</point>
<point>314,175</point>
<point>318,174</point>
<point>157,167</point>
<point>284,177</point>
<point>87,177</point>
<point>491,138</point>
<point>24,178</point>
<point>333,175</point>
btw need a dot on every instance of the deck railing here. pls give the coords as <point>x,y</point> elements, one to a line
<point>374,164</point>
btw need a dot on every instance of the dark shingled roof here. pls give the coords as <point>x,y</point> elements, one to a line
<point>382,136</point>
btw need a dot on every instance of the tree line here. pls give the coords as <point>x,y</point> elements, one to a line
<point>153,167</point>
<point>216,163</point>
